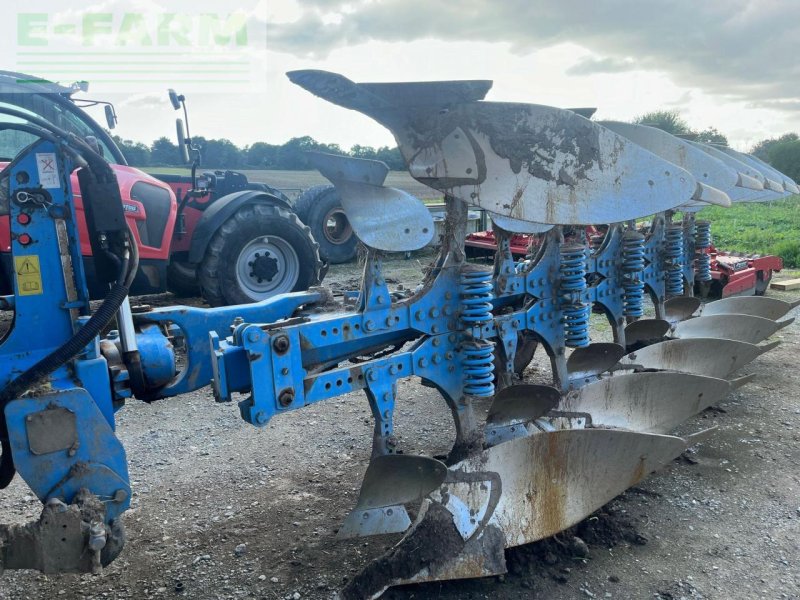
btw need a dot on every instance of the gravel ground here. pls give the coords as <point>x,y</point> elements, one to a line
<point>224,510</point>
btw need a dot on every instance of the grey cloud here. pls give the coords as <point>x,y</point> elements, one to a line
<point>787,105</point>
<point>683,100</point>
<point>592,66</point>
<point>744,49</point>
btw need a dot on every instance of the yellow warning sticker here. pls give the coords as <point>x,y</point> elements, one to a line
<point>29,276</point>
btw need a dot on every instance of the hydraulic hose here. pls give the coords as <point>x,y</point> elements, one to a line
<point>64,353</point>
<point>96,323</point>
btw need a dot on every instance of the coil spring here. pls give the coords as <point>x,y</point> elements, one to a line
<point>476,297</point>
<point>703,259</point>
<point>673,252</point>
<point>477,365</point>
<point>596,241</point>
<point>633,263</point>
<point>703,236</point>
<point>573,283</point>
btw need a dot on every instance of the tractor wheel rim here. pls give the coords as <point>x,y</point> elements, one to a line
<point>267,266</point>
<point>335,227</point>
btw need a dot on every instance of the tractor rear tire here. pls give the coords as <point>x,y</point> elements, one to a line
<point>260,251</point>
<point>182,279</point>
<point>320,207</point>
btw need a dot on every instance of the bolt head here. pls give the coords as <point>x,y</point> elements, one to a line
<point>261,417</point>
<point>253,336</point>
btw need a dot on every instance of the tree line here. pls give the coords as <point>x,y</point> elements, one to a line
<point>783,152</point>
<point>224,154</point>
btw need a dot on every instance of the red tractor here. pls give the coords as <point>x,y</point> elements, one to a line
<point>231,240</point>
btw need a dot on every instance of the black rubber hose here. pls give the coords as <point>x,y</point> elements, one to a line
<point>96,323</point>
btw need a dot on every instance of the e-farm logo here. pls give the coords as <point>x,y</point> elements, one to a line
<point>165,31</point>
<point>144,51</point>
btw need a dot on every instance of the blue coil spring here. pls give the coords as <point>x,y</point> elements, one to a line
<point>476,297</point>
<point>702,265</point>
<point>673,253</point>
<point>633,263</point>
<point>477,364</point>
<point>575,312</point>
<point>703,236</point>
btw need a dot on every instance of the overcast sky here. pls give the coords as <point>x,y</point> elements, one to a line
<point>730,64</point>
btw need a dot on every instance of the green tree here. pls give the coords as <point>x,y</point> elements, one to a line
<point>292,154</point>
<point>359,151</point>
<point>762,148</point>
<point>262,155</point>
<point>136,153</point>
<point>711,135</point>
<point>222,154</point>
<point>785,157</point>
<point>668,120</point>
<point>392,158</point>
<point>164,153</point>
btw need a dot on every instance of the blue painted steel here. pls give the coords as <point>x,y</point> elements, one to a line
<point>476,297</point>
<point>673,259</point>
<point>191,326</point>
<point>633,263</point>
<point>605,277</point>
<point>702,243</point>
<point>573,283</point>
<point>96,461</point>
<point>41,323</point>
<point>158,356</point>
<point>478,368</point>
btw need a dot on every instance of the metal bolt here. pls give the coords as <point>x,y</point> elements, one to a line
<point>418,315</point>
<point>284,371</point>
<point>372,375</point>
<point>281,344</point>
<point>286,397</point>
<point>436,358</point>
<point>369,325</point>
<point>449,355</point>
<point>423,362</point>
<point>393,370</point>
<point>434,312</point>
<point>261,417</point>
<point>120,495</point>
<point>238,321</point>
<point>254,336</point>
<point>436,341</point>
<point>390,321</point>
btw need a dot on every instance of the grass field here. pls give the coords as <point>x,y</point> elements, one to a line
<point>769,228</point>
